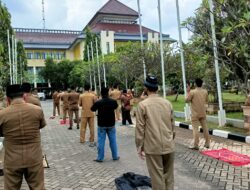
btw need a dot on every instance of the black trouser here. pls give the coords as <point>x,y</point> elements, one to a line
<point>126,116</point>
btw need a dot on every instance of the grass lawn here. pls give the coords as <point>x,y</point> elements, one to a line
<point>240,131</point>
<point>227,97</point>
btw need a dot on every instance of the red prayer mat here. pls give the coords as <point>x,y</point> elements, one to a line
<point>62,122</point>
<point>228,156</point>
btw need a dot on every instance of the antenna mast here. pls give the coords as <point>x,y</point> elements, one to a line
<point>43,14</point>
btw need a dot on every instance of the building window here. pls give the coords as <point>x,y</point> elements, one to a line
<point>108,47</point>
<point>37,55</point>
<point>43,55</point>
<point>153,35</point>
<point>29,55</point>
<point>107,33</point>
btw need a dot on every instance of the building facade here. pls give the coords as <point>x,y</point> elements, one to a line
<point>114,23</point>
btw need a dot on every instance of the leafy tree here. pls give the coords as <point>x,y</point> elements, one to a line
<point>232,21</point>
<point>5,24</point>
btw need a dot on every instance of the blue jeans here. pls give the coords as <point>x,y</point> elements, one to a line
<point>111,132</point>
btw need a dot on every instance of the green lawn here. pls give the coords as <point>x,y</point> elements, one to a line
<point>235,130</point>
<point>227,97</point>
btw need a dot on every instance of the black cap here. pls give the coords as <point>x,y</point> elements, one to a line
<point>14,90</point>
<point>151,81</point>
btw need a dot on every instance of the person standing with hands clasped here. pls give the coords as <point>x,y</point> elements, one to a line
<point>106,124</point>
<point>20,124</point>
<point>154,136</point>
<point>198,99</point>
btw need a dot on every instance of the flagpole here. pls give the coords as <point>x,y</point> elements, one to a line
<point>10,64</point>
<point>90,77</point>
<point>221,112</point>
<point>92,53</point>
<point>187,107</point>
<point>141,37</point>
<point>13,60</point>
<point>161,47</point>
<point>98,65</point>
<point>104,71</point>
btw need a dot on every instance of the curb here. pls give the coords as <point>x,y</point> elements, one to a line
<point>218,133</point>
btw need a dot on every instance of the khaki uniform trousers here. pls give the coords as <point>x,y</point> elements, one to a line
<point>71,114</point>
<point>196,122</point>
<point>161,171</point>
<point>34,177</point>
<point>56,107</point>
<point>65,112</point>
<point>84,122</point>
<point>118,111</point>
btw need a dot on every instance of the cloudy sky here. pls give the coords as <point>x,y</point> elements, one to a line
<point>75,14</point>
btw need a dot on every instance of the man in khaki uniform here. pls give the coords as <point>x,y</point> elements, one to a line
<point>22,143</point>
<point>28,96</point>
<point>86,101</point>
<point>198,99</point>
<point>116,94</point>
<point>73,107</point>
<point>65,101</point>
<point>154,136</point>
<point>56,105</point>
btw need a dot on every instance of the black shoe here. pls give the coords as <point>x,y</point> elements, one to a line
<point>70,128</point>
<point>96,160</point>
<point>193,148</point>
<point>118,158</point>
<point>1,172</point>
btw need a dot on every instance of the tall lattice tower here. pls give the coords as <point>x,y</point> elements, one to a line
<point>43,14</point>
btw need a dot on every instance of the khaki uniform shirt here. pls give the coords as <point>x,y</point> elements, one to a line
<point>86,101</point>
<point>198,99</point>
<point>74,100</point>
<point>20,124</point>
<point>154,131</point>
<point>56,98</point>
<point>65,99</point>
<point>32,99</point>
<point>115,94</point>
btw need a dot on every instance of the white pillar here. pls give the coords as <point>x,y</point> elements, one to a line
<point>161,46</point>
<point>187,107</point>
<point>221,112</point>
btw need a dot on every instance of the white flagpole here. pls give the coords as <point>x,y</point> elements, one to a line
<point>16,59</point>
<point>104,71</point>
<point>161,46</point>
<point>141,36</point>
<point>221,112</point>
<point>13,60</point>
<point>90,77</point>
<point>92,53</point>
<point>186,108</point>
<point>10,64</point>
<point>98,65</point>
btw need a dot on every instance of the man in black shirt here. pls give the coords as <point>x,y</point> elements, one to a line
<point>106,124</point>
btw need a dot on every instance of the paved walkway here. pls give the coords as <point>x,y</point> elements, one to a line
<point>72,167</point>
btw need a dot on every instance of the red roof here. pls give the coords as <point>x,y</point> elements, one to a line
<point>116,7</point>
<point>38,37</point>
<point>120,28</point>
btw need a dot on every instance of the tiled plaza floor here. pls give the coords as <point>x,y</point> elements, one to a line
<point>72,167</point>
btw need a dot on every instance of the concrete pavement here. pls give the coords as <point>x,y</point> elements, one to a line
<point>72,167</point>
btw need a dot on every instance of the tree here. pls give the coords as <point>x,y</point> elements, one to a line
<point>5,24</point>
<point>232,21</point>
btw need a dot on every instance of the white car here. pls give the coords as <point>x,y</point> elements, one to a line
<point>41,95</point>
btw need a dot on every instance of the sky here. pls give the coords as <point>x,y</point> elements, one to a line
<point>75,14</point>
